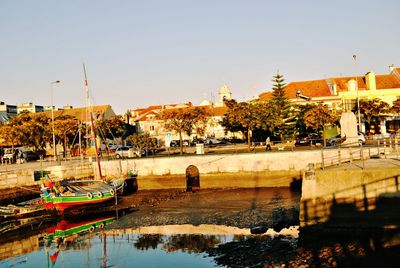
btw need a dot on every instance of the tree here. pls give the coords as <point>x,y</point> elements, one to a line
<point>299,112</point>
<point>36,131</point>
<point>247,117</point>
<point>27,129</point>
<point>319,117</point>
<point>279,95</point>
<point>231,121</point>
<point>113,128</point>
<point>65,128</point>
<point>286,124</point>
<point>142,141</point>
<point>10,135</point>
<point>372,109</point>
<point>185,120</point>
<point>395,109</point>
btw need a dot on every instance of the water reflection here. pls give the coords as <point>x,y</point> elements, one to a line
<point>213,233</point>
<point>70,235</point>
<point>92,243</point>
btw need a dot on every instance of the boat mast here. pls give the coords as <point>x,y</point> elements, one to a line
<point>92,125</point>
<point>86,107</point>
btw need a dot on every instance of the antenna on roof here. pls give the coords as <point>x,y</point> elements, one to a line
<point>301,96</point>
<point>391,68</point>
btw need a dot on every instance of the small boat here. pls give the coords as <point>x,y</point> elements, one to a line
<point>71,194</point>
<point>125,185</point>
<point>28,208</point>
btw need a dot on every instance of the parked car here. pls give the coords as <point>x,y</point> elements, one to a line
<point>211,141</point>
<point>22,154</point>
<point>186,143</point>
<point>361,138</point>
<point>338,139</point>
<point>309,139</point>
<point>175,143</point>
<point>9,156</point>
<point>29,155</point>
<point>335,140</point>
<point>197,140</point>
<point>128,151</point>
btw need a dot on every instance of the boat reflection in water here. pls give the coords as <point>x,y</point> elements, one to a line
<point>68,232</point>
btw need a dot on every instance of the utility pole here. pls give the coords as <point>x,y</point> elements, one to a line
<point>358,98</point>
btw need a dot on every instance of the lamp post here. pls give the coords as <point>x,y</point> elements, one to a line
<point>358,98</point>
<point>52,119</point>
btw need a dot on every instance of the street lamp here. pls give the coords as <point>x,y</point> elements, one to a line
<point>358,98</point>
<point>52,119</point>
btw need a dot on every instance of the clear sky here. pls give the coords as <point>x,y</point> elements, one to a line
<point>141,53</point>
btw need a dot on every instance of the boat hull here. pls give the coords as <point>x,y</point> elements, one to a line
<point>75,194</point>
<point>61,203</point>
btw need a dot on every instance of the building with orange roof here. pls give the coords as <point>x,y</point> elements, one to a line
<point>146,119</point>
<point>100,112</point>
<point>342,92</point>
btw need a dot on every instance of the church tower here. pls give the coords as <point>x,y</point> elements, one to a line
<point>224,93</point>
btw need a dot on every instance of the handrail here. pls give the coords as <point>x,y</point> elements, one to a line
<point>357,151</point>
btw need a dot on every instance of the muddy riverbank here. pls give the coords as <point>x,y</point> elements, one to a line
<point>243,208</point>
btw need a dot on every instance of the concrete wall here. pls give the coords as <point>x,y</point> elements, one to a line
<point>351,196</point>
<point>76,170</point>
<point>208,164</point>
<point>237,170</point>
<point>17,177</point>
<point>25,177</point>
<point>222,180</point>
<point>269,169</point>
<point>230,163</point>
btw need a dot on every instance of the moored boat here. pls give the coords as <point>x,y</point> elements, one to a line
<point>70,194</point>
<point>125,185</point>
<point>28,208</point>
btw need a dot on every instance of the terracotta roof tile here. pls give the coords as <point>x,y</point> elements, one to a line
<point>79,113</point>
<point>387,81</point>
<point>320,88</point>
<point>219,111</point>
<point>312,88</point>
<point>141,111</point>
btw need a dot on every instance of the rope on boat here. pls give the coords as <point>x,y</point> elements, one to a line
<point>28,189</point>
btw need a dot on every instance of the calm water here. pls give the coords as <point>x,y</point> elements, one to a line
<point>141,247</point>
<point>214,235</point>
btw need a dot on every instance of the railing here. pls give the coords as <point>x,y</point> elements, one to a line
<point>349,152</point>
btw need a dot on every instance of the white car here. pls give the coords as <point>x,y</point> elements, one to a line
<point>128,151</point>
<point>212,141</point>
<point>361,138</point>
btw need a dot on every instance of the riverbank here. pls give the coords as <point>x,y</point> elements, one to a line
<point>242,208</point>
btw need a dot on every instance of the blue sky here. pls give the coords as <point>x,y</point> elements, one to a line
<point>141,53</point>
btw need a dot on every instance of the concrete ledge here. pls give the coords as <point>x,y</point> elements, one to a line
<point>222,180</point>
<point>348,196</point>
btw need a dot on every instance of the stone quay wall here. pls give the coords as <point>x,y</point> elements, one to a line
<point>353,196</point>
<point>29,177</point>
<point>261,169</point>
<point>267,169</point>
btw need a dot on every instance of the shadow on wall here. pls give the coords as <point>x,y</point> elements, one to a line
<point>373,206</point>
